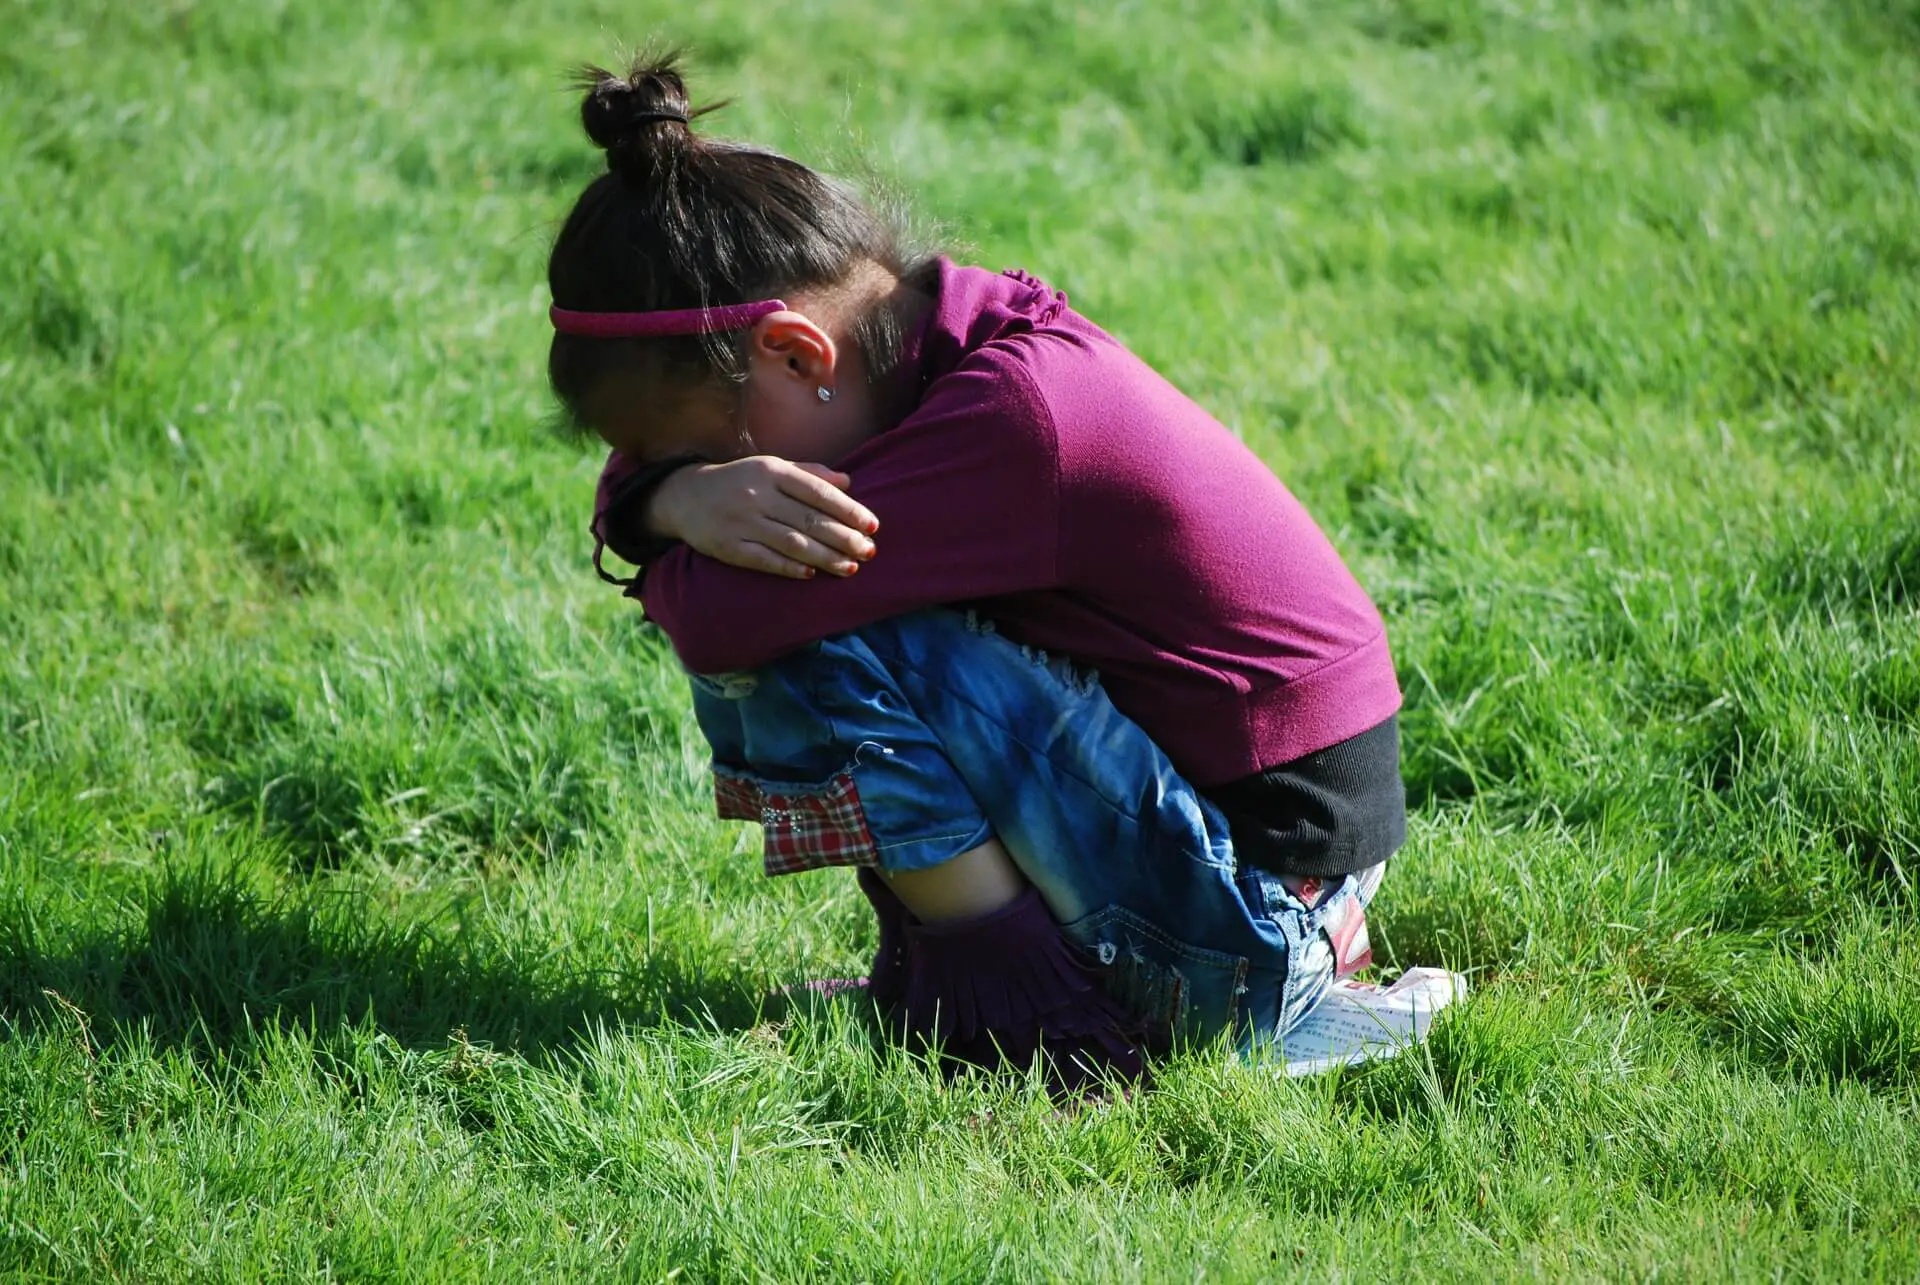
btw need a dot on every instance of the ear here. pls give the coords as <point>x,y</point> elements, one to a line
<point>789,345</point>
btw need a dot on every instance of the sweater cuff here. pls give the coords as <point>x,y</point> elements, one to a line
<point>619,519</point>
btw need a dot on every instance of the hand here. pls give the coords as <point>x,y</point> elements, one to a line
<point>764,513</point>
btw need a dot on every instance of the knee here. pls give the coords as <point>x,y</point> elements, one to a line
<point>780,718</point>
<point>815,713</point>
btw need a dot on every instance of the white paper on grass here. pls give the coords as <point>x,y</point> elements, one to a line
<point>1359,1021</point>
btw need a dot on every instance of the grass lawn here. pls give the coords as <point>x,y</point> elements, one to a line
<point>361,911</point>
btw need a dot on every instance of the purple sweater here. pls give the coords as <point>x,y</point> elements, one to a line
<point>1051,479</point>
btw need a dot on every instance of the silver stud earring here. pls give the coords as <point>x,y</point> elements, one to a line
<point>826,394</point>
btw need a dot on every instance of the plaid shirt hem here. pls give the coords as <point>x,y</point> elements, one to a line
<point>803,827</point>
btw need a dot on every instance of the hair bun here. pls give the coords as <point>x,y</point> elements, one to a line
<point>638,118</point>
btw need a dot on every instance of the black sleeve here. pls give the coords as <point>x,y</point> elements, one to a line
<point>623,528</point>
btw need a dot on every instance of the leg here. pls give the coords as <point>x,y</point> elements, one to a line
<point>1135,863</point>
<point>918,739</point>
<point>977,882</point>
<point>981,970</point>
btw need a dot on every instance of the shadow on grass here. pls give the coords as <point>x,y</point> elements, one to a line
<point>208,963</point>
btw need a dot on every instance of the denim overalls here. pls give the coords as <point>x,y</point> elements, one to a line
<point>911,740</point>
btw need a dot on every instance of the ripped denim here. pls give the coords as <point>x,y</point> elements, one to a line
<point>905,743</point>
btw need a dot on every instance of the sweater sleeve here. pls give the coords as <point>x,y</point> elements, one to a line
<point>967,492</point>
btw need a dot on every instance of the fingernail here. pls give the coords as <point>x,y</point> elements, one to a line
<point>852,567</point>
<point>806,573</point>
<point>872,528</point>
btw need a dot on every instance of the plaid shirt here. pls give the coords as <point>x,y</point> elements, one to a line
<point>804,827</point>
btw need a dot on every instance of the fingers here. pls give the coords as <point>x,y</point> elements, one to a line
<point>775,516</point>
<point>822,529</point>
<point>797,546</point>
<point>842,480</point>
<point>819,487</point>
<point>758,557</point>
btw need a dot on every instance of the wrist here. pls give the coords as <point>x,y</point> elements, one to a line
<point>657,496</point>
<point>659,516</point>
<point>627,523</point>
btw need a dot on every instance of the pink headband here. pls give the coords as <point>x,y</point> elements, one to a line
<point>654,325</point>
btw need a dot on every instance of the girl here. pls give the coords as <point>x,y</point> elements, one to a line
<point>1109,733</point>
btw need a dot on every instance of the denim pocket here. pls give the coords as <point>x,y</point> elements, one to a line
<point>1178,989</point>
<point>803,827</point>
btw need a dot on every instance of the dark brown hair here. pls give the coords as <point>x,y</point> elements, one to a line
<point>683,221</point>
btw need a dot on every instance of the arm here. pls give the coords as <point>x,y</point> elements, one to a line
<point>762,513</point>
<point>967,491</point>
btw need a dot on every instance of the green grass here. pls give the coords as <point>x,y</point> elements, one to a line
<point>361,916</point>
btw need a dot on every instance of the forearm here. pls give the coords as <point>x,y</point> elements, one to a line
<point>760,513</point>
<point>994,541</point>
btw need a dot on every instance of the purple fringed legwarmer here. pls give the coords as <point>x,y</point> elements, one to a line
<point>887,979</point>
<point>1000,989</point>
